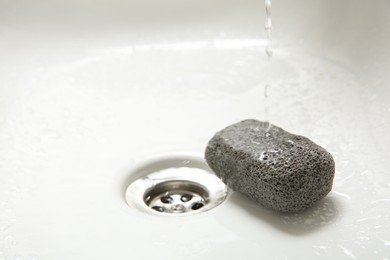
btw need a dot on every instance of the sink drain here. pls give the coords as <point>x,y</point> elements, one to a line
<point>175,186</point>
<point>177,197</point>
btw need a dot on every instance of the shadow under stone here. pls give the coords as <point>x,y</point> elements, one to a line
<point>320,215</point>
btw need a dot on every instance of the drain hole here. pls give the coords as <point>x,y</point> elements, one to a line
<point>157,208</point>
<point>186,198</point>
<point>175,186</point>
<point>167,199</point>
<point>197,206</point>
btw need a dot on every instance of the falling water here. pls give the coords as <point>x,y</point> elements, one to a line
<point>268,51</point>
<point>268,27</point>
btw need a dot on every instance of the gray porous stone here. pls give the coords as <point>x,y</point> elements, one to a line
<point>275,168</point>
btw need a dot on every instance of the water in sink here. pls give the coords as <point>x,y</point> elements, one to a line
<point>86,99</point>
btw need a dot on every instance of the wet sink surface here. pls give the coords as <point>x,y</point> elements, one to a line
<point>90,89</point>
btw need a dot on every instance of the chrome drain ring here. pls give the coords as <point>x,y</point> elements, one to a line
<point>180,185</point>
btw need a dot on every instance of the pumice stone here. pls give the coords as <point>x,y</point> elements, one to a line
<point>274,168</point>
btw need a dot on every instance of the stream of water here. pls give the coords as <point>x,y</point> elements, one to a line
<point>268,51</point>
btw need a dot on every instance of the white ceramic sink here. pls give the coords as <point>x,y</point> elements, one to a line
<point>89,89</point>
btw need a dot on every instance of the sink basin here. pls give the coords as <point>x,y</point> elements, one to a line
<point>90,89</point>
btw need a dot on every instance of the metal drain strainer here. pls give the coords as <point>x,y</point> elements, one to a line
<point>180,185</point>
<point>177,197</point>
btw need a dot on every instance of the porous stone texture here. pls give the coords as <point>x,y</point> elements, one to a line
<point>275,168</point>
